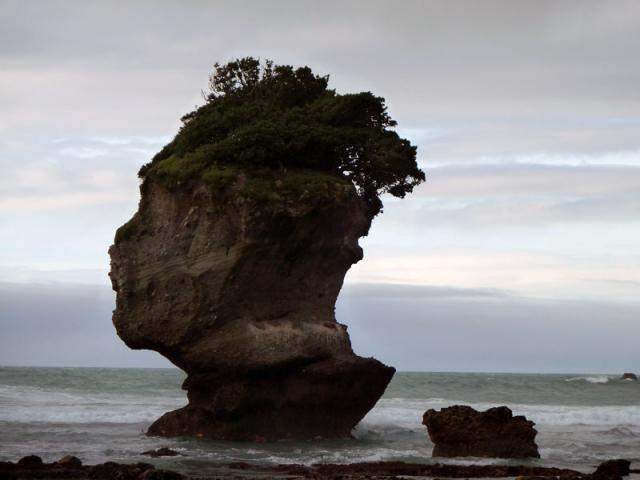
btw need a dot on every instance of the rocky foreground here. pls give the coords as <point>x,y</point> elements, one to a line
<point>32,467</point>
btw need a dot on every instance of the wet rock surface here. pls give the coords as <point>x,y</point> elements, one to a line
<point>27,468</point>
<point>70,461</point>
<point>161,452</point>
<point>240,294</point>
<point>629,376</point>
<point>402,469</point>
<point>610,470</point>
<point>461,431</point>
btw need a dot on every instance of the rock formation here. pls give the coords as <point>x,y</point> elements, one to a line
<point>240,292</point>
<point>629,376</point>
<point>461,431</point>
<point>613,469</point>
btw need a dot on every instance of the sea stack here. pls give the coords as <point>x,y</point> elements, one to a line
<point>232,265</point>
<point>240,294</point>
<point>461,431</point>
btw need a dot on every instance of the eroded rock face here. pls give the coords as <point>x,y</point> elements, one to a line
<point>240,294</point>
<point>461,431</point>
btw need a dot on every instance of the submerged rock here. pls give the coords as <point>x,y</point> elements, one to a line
<point>161,452</point>
<point>70,461</point>
<point>629,376</point>
<point>461,431</point>
<point>240,293</point>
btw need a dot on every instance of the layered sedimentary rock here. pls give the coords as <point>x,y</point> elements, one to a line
<point>461,431</point>
<point>240,293</point>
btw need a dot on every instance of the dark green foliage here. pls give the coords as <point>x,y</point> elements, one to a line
<point>261,117</point>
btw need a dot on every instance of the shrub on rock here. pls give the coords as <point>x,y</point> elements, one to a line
<point>259,118</point>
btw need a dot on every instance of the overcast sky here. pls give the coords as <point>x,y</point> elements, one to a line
<point>527,119</point>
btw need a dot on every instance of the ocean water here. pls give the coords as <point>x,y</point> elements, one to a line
<point>101,414</point>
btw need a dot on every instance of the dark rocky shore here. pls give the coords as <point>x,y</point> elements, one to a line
<point>32,467</point>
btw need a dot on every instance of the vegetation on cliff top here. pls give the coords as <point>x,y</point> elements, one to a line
<point>271,121</point>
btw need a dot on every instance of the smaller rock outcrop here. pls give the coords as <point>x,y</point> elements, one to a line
<point>613,469</point>
<point>629,376</point>
<point>30,461</point>
<point>161,452</point>
<point>461,431</point>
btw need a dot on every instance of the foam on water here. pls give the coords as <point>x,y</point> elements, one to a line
<point>406,413</point>
<point>595,379</point>
<point>101,414</point>
<point>34,404</point>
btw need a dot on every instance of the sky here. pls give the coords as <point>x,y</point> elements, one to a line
<point>521,251</point>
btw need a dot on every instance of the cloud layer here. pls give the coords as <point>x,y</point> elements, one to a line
<point>526,115</point>
<point>412,328</point>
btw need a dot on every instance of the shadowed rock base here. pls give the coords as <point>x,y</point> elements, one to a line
<point>325,399</point>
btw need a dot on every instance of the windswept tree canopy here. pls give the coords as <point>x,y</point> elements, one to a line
<point>260,116</point>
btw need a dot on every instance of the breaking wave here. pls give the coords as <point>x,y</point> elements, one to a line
<point>591,379</point>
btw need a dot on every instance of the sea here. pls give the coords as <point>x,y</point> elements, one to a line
<point>101,414</point>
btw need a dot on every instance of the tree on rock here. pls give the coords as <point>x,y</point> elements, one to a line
<point>260,117</point>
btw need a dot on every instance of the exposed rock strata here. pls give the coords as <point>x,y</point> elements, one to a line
<point>240,294</point>
<point>461,431</point>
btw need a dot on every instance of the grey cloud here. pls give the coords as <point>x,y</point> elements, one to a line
<point>61,173</point>
<point>63,324</point>
<point>509,334</point>
<point>534,212</point>
<point>431,59</point>
<point>552,140</point>
<point>521,195</point>
<point>411,328</point>
<point>408,292</point>
<point>533,180</point>
<point>90,90</point>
